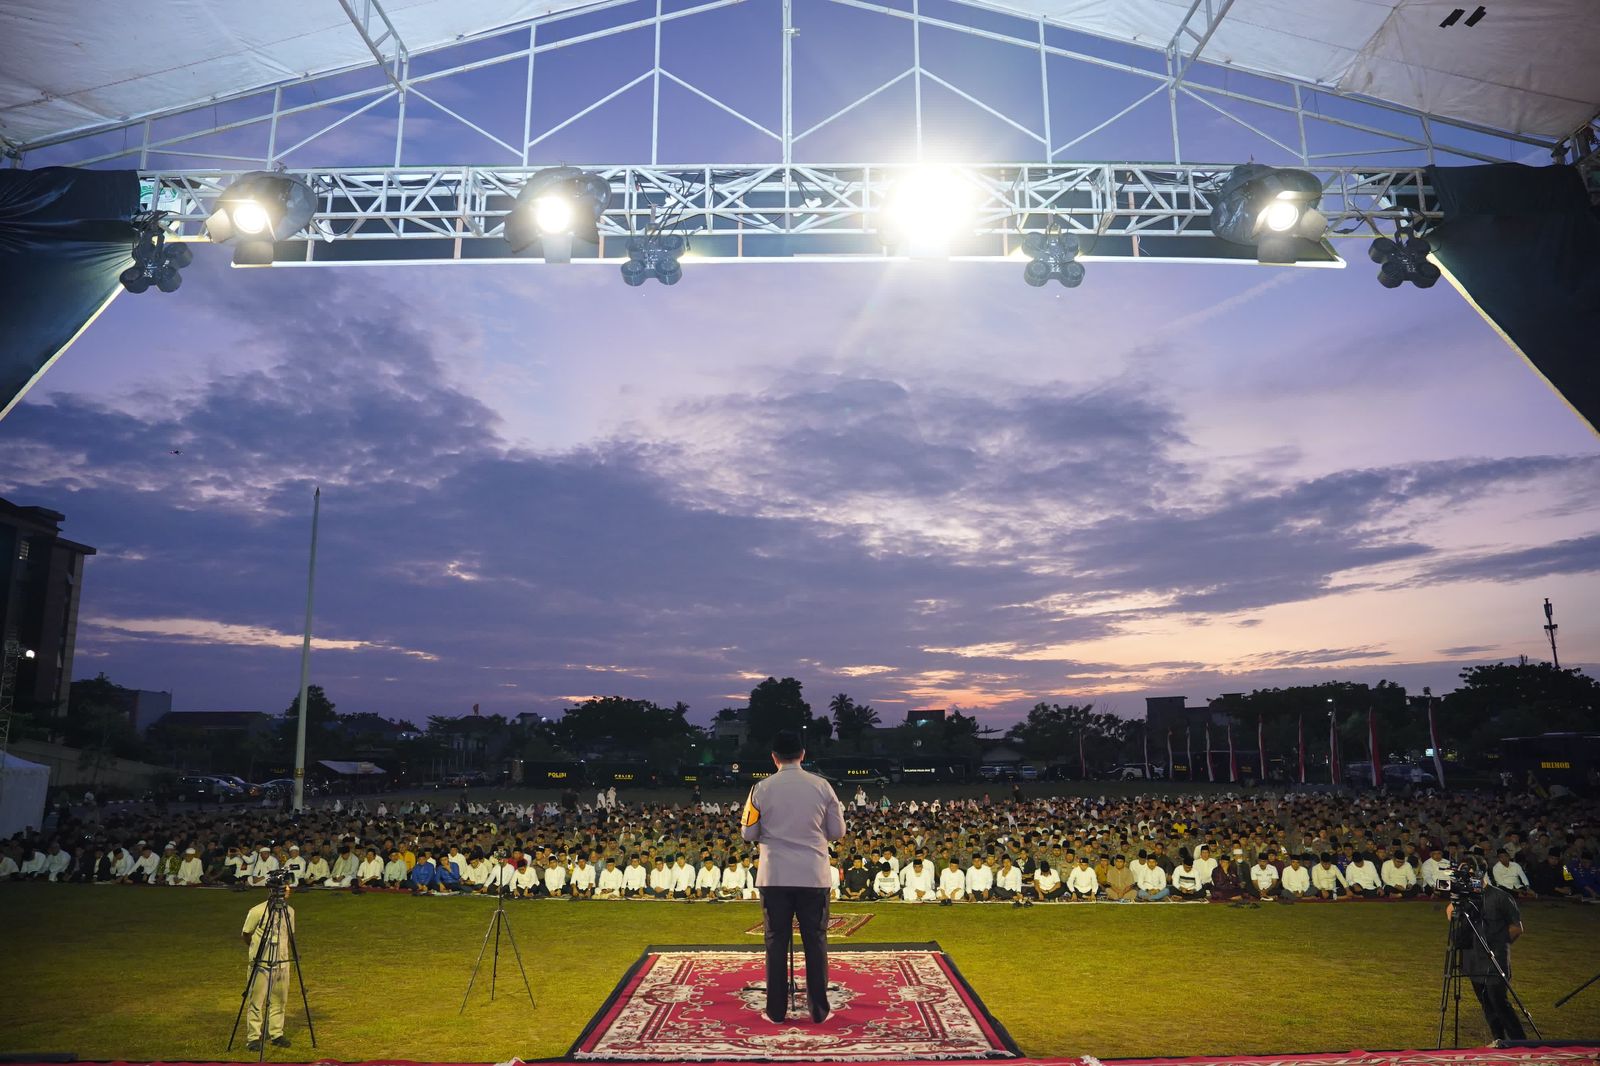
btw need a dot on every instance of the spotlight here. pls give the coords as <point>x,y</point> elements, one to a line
<point>155,262</point>
<point>555,207</point>
<point>258,209</point>
<point>1052,255</point>
<point>1274,210</point>
<point>1402,260</point>
<point>653,257</point>
<point>926,209</point>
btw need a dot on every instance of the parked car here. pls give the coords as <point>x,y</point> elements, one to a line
<point>202,789</point>
<point>1028,773</point>
<point>1127,772</point>
<point>1405,773</point>
<point>246,789</point>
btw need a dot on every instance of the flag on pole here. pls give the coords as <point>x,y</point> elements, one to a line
<point>1169,753</point>
<point>1211,771</point>
<point>1372,748</point>
<point>1233,757</point>
<point>1433,739</point>
<point>1188,747</point>
<point>1302,746</point>
<point>1333,745</point>
<point>1261,750</point>
<point>1083,764</point>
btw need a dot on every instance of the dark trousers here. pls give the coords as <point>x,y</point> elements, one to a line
<point>780,909</point>
<point>1497,1010</point>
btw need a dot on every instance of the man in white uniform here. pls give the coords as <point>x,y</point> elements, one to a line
<point>682,878</point>
<point>980,880</point>
<point>952,883</point>
<point>916,882</point>
<point>1296,879</point>
<point>708,880</point>
<point>633,878</point>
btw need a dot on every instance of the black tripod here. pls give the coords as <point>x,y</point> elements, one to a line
<point>1580,988</point>
<point>274,929</point>
<point>498,919</point>
<point>1463,930</point>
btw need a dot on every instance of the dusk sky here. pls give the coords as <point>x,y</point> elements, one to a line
<point>922,484</point>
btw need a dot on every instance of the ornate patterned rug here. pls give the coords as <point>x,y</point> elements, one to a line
<point>896,1002</point>
<point>838,925</point>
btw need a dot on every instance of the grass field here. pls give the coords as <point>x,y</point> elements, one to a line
<point>109,972</point>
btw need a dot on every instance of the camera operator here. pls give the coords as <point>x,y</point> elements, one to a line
<point>270,987</point>
<point>1499,923</point>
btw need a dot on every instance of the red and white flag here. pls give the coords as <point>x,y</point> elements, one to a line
<point>1233,758</point>
<point>1372,748</point>
<point>1302,745</point>
<point>1261,750</point>
<point>1433,739</point>
<point>1211,773</point>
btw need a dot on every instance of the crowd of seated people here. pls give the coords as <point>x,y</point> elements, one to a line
<point>1260,845</point>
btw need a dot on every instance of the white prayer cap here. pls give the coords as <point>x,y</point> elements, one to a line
<point>171,846</point>
<point>189,851</point>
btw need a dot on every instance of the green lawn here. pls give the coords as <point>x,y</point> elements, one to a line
<point>111,972</point>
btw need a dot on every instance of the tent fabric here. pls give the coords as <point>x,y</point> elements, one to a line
<point>1523,245</point>
<point>22,795</point>
<point>65,235</point>
<point>351,769</point>
<point>1531,68</point>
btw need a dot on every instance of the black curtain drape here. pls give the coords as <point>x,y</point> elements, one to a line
<point>65,235</point>
<point>1524,242</point>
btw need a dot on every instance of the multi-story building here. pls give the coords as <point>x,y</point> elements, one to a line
<point>41,576</point>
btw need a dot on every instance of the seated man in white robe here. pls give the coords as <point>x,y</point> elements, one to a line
<point>916,882</point>
<point>707,880</point>
<point>952,883</point>
<point>609,885</point>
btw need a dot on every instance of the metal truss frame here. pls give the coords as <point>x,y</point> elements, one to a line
<point>1312,107</point>
<point>771,211</point>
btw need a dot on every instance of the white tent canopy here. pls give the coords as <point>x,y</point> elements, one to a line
<point>23,786</point>
<point>1530,68</point>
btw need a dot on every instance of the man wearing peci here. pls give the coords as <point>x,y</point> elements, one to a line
<point>793,815</point>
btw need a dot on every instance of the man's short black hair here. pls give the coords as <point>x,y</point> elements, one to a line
<point>787,744</point>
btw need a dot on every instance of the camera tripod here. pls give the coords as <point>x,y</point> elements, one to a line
<point>274,929</point>
<point>1450,989</point>
<point>496,921</point>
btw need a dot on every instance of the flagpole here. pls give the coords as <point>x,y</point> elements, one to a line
<point>1433,738</point>
<point>305,662</point>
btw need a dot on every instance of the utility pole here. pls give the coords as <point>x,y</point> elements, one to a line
<point>1550,628</point>
<point>305,664</point>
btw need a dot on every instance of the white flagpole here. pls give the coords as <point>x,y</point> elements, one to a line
<point>305,663</point>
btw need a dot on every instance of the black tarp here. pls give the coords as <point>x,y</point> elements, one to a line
<point>65,235</point>
<point>1524,244</point>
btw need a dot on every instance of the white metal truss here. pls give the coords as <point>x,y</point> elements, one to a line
<point>769,211</point>
<point>1322,118</point>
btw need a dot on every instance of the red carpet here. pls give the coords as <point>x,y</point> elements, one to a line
<point>838,925</point>
<point>893,1002</point>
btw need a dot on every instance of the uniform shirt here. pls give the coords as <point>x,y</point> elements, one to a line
<point>633,877</point>
<point>1083,881</point>
<point>1264,875</point>
<point>1296,880</point>
<point>1398,874</point>
<point>793,815</point>
<point>1362,875</point>
<point>980,877</point>
<point>952,882</point>
<point>277,949</point>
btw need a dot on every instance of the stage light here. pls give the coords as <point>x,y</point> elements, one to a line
<point>155,262</point>
<point>555,207</point>
<point>1403,259</point>
<point>258,209</point>
<point>925,210</point>
<point>1272,209</point>
<point>654,257</point>
<point>1052,255</point>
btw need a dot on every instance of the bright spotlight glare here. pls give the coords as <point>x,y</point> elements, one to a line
<point>1281,215</point>
<point>931,204</point>
<point>553,214</point>
<point>250,217</point>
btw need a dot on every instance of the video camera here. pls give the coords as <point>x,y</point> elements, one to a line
<point>1461,882</point>
<point>277,881</point>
